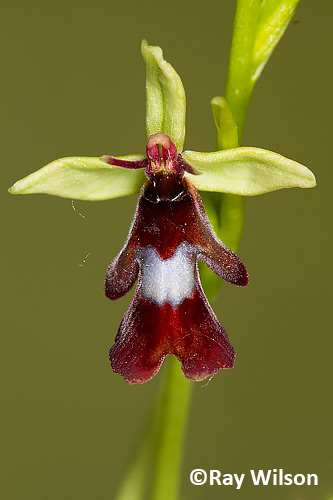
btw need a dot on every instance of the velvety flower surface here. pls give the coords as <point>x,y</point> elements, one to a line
<point>169,313</point>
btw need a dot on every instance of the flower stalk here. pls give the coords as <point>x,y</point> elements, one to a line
<point>175,406</point>
<point>161,452</point>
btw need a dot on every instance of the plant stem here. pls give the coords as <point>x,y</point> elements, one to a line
<point>135,482</point>
<point>162,450</point>
<point>238,94</point>
<point>134,485</point>
<point>239,83</point>
<point>174,412</point>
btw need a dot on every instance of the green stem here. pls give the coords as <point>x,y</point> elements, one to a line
<point>134,485</point>
<point>238,94</point>
<point>135,482</point>
<point>239,82</point>
<point>161,451</point>
<point>174,412</point>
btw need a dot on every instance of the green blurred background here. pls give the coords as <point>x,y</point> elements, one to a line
<point>73,84</point>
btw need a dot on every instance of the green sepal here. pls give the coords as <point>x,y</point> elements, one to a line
<point>82,179</point>
<point>165,97</point>
<point>246,171</point>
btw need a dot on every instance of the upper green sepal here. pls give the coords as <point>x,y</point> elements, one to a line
<point>82,179</point>
<point>246,171</point>
<point>165,97</point>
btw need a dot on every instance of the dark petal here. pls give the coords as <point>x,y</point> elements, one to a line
<point>190,331</point>
<point>184,166</point>
<point>110,160</point>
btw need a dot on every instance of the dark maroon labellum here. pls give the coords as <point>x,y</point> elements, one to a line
<point>169,313</point>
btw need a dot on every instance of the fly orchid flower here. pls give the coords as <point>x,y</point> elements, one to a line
<point>169,313</point>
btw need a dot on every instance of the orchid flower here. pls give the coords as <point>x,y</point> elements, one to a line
<point>169,313</point>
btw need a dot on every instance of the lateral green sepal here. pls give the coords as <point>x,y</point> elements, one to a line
<point>82,179</point>
<point>246,171</point>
